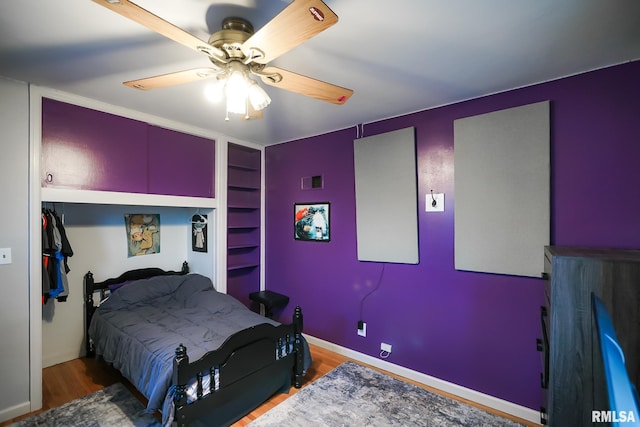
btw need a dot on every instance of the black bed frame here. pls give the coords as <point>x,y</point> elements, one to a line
<point>250,364</point>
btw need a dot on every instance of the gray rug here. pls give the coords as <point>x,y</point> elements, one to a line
<point>110,407</point>
<point>353,395</point>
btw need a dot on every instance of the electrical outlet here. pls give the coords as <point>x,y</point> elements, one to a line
<point>385,347</point>
<point>362,329</point>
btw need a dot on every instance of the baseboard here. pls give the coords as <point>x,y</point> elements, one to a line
<point>15,411</point>
<point>463,392</point>
<point>55,359</point>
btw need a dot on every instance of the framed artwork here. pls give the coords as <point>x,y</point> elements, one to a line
<point>311,221</point>
<point>199,233</point>
<point>143,234</point>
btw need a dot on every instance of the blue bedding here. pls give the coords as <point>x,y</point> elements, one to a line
<point>139,326</point>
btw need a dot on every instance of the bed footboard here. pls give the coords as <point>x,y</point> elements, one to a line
<point>246,370</point>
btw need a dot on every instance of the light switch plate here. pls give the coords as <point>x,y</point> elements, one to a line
<point>438,198</point>
<point>5,255</point>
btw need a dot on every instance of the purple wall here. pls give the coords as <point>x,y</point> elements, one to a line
<point>473,329</point>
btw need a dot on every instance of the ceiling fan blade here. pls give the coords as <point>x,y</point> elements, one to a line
<point>304,85</point>
<point>144,17</point>
<point>298,22</point>
<point>172,79</point>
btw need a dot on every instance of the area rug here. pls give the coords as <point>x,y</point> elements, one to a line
<point>110,407</point>
<point>356,396</point>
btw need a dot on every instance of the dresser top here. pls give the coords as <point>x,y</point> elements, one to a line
<point>594,252</point>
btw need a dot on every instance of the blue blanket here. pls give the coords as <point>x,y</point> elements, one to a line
<point>139,326</point>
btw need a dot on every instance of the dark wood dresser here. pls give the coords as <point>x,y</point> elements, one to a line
<point>572,376</point>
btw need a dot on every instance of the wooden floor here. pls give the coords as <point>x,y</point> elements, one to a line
<point>70,380</point>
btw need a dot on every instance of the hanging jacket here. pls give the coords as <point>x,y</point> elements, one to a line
<point>47,265</point>
<point>55,250</point>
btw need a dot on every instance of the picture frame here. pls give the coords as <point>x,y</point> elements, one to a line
<point>311,221</point>
<point>143,234</point>
<point>199,233</point>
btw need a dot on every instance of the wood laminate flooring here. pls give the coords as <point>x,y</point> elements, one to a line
<point>76,378</point>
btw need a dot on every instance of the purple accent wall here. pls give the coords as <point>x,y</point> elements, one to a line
<point>473,329</point>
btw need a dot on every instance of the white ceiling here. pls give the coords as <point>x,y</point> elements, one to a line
<point>398,56</point>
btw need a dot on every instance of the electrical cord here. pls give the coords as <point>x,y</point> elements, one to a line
<point>371,291</point>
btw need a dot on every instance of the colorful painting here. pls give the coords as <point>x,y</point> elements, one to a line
<point>143,234</point>
<point>311,222</point>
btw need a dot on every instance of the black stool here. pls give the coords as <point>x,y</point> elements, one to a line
<point>269,300</point>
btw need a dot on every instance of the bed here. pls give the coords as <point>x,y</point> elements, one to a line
<point>199,356</point>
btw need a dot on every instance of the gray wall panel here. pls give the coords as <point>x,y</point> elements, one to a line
<point>502,207</point>
<point>386,197</point>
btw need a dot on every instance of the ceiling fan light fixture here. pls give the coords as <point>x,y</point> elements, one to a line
<point>236,106</point>
<point>257,96</point>
<point>241,91</point>
<point>236,92</point>
<point>214,92</point>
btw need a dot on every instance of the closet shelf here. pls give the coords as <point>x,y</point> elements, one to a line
<point>242,187</point>
<point>243,167</point>
<point>60,195</point>
<point>242,227</point>
<point>243,206</point>
<point>240,247</point>
<point>242,266</point>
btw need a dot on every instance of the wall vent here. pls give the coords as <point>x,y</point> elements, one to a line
<point>312,182</point>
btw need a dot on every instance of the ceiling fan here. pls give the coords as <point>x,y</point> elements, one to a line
<point>236,52</point>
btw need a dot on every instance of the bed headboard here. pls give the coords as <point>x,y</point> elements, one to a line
<point>91,287</point>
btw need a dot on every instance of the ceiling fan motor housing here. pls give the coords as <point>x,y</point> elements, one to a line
<point>235,31</point>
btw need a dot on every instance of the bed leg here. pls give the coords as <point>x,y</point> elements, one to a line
<point>180,397</point>
<point>299,362</point>
<point>88,311</point>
